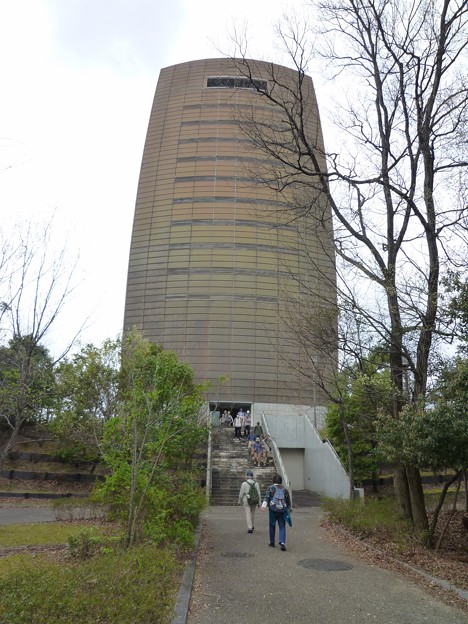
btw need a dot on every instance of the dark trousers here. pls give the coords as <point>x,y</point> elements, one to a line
<point>275,517</point>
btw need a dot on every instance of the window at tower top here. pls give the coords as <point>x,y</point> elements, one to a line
<point>231,82</point>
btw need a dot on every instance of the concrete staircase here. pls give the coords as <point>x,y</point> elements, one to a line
<point>230,461</point>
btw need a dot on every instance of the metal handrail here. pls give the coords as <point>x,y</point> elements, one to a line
<point>277,459</point>
<point>209,480</point>
<point>338,458</point>
<point>326,441</point>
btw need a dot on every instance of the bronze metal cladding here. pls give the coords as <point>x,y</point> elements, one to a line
<point>213,252</point>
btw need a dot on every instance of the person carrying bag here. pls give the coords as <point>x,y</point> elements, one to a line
<point>278,502</point>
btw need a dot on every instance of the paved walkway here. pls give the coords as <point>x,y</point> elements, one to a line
<point>26,515</point>
<point>240,580</point>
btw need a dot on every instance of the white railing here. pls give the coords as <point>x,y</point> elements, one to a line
<point>277,458</point>
<point>209,480</point>
<point>327,474</point>
<point>326,441</point>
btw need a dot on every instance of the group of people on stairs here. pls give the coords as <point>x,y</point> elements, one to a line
<point>258,444</point>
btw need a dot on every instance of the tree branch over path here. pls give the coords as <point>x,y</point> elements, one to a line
<point>393,175</point>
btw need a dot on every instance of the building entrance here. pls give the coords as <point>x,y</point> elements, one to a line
<point>223,413</point>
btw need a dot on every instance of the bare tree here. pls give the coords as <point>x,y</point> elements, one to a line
<point>332,373</point>
<point>394,178</point>
<point>38,285</point>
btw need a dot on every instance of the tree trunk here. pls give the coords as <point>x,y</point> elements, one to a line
<point>402,495</point>
<point>440,504</point>
<point>349,446</point>
<point>451,514</point>
<point>375,481</point>
<point>465,479</point>
<point>131,518</point>
<point>5,452</point>
<point>418,504</point>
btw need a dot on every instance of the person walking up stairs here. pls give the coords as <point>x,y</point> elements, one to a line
<point>230,462</point>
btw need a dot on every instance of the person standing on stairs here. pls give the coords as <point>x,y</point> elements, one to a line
<point>266,451</point>
<point>258,429</point>
<point>257,451</point>
<point>250,442</point>
<point>249,497</point>
<point>238,422</point>
<point>247,424</point>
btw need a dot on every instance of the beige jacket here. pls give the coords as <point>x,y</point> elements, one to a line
<point>244,492</point>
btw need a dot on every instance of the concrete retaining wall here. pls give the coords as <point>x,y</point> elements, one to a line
<point>50,476</point>
<point>292,429</point>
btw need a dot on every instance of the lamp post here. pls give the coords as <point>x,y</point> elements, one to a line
<point>313,360</point>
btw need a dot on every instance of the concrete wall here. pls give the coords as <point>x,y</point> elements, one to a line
<point>293,460</point>
<point>323,470</point>
<point>298,440</point>
<point>285,422</point>
<point>316,416</point>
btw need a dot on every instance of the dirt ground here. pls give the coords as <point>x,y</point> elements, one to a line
<point>24,487</point>
<point>449,563</point>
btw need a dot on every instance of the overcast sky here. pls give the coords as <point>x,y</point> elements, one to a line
<point>78,79</point>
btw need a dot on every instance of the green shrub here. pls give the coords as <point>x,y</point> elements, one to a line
<point>366,517</point>
<point>38,534</point>
<point>122,587</point>
<point>87,543</point>
<point>171,506</point>
<point>115,491</point>
<point>181,532</point>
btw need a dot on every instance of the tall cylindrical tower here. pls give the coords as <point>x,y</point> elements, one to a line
<point>212,250</point>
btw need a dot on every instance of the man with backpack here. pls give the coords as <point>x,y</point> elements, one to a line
<point>278,501</point>
<point>258,430</point>
<point>249,496</point>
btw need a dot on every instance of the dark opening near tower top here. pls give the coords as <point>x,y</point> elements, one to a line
<point>229,82</point>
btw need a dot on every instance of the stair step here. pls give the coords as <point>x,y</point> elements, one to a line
<point>230,462</point>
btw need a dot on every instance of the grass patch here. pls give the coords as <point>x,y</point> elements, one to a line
<point>13,563</point>
<point>431,473</point>
<point>124,587</point>
<point>368,516</point>
<point>432,497</point>
<point>39,534</point>
<point>378,517</point>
